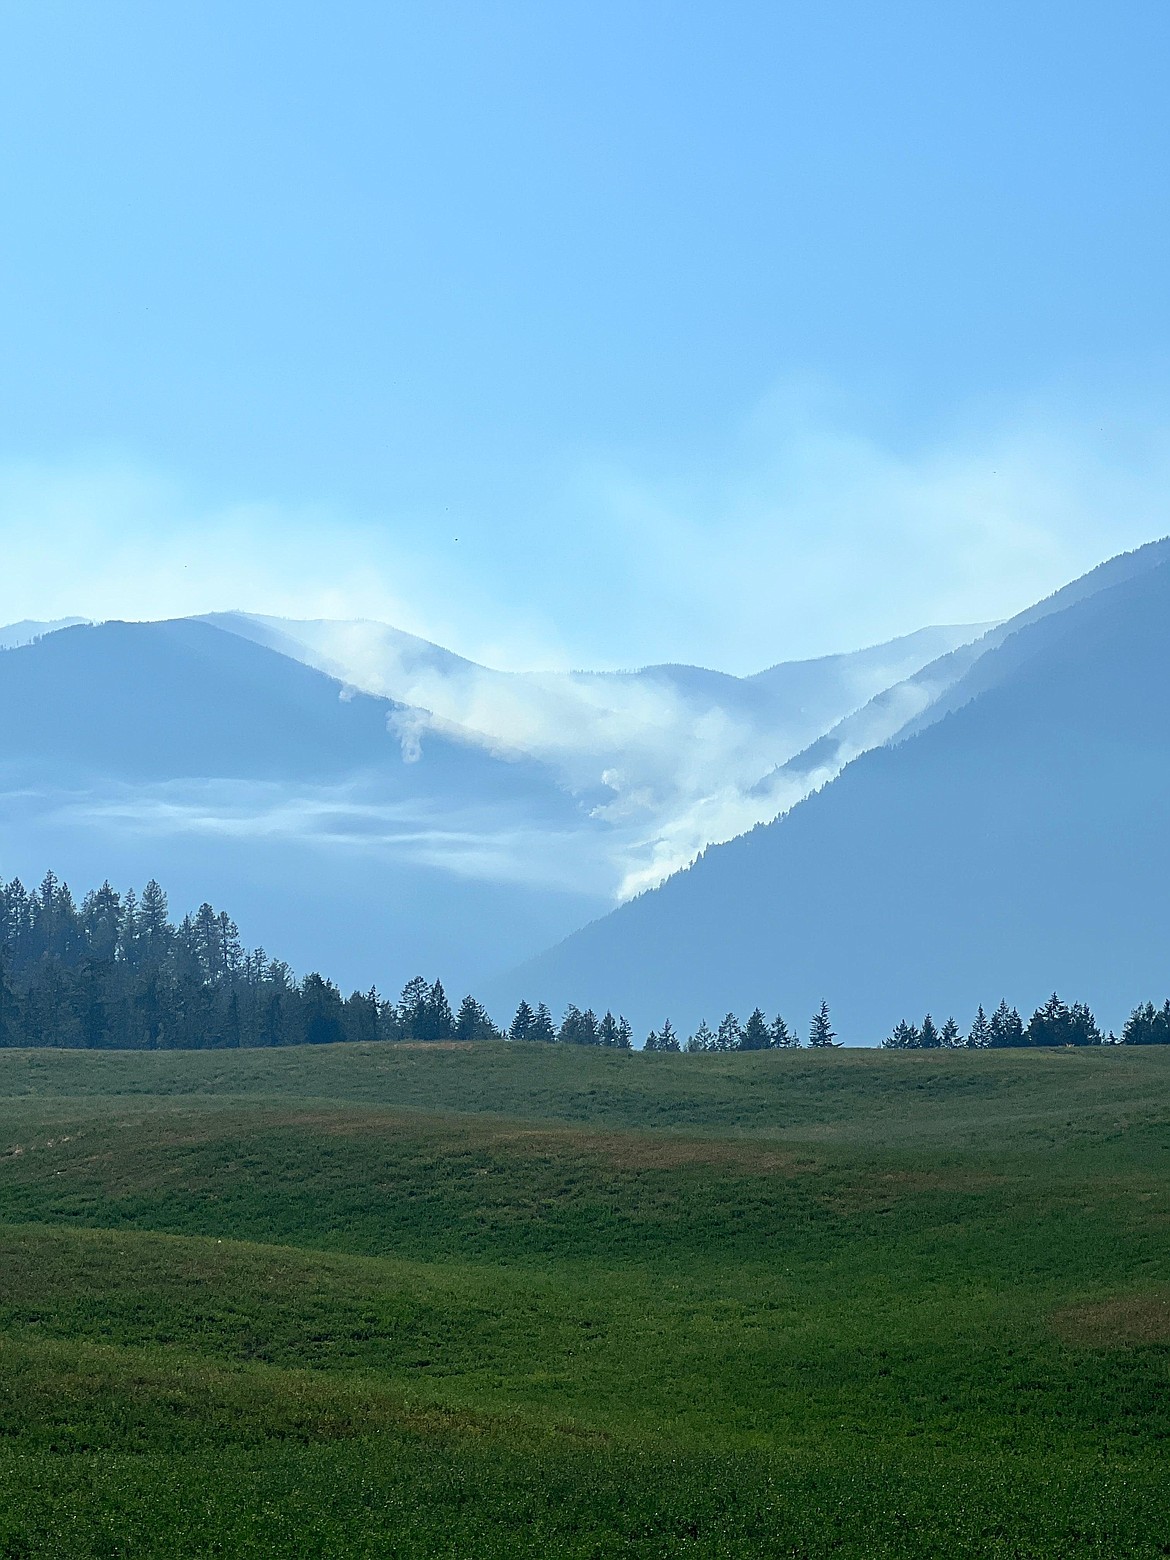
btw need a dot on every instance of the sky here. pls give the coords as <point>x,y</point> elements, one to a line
<point>581,335</point>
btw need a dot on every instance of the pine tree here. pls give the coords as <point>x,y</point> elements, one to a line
<point>521,1026</point>
<point>1141,1026</point>
<point>756,1034</point>
<point>440,1021</point>
<point>1050,1024</point>
<point>412,1005</point>
<point>572,1028</point>
<point>782,1037</point>
<point>1005,1027</point>
<point>542,1025</point>
<point>979,1035</point>
<point>702,1039</point>
<point>667,1038</point>
<point>905,1037</point>
<point>928,1036</point>
<point>728,1035</point>
<point>607,1031</point>
<point>1083,1027</point>
<point>950,1035</point>
<point>321,1011</point>
<point>360,1019</point>
<point>651,1041</point>
<point>472,1021</point>
<point>154,928</point>
<point>625,1035</point>
<point>821,1034</point>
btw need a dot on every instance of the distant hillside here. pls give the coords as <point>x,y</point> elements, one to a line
<point>24,632</point>
<point>1017,844</point>
<point>339,833</point>
<point>668,757</point>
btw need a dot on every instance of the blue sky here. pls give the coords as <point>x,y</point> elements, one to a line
<point>581,334</point>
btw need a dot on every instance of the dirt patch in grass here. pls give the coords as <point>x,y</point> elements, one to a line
<point>1124,1322</point>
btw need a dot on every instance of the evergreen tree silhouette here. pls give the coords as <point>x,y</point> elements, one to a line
<point>756,1034</point>
<point>821,1034</point>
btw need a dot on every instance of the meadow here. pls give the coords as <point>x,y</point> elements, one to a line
<point>493,1300</point>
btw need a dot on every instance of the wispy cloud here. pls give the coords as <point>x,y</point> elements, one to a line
<point>496,845</point>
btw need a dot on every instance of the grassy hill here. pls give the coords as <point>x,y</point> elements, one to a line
<point>500,1301</point>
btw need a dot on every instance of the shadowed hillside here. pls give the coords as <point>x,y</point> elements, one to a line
<point>1020,844</point>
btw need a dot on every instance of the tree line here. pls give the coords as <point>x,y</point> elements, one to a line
<point>116,971</point>
<point>1054,1023</point>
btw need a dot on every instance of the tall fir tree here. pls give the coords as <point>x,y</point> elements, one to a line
<point>702,1040</point>
<point>979,1034</point>
<point>903,1037</point>
<point>756,1034</point>
<point>667,1037</point>
<point>1005,1027</point>
<point>607,1031</point>
<point>821,1035</point>
<point>729,1034</point>
<point>783,1038</point>
<point>521,1026</point>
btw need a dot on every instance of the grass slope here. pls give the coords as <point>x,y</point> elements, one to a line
<point>496,1301</point>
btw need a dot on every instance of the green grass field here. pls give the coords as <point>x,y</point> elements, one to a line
<point>496,1301</point>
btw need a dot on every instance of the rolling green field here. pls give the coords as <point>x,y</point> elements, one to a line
<point>527,1301</point>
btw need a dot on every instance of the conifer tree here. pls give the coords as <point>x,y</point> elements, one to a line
<point>625,1035</point>
<point>321,1010</point>
<point>1083,1027</point>
<point>440,1022</point>
<point>472,1021</point>
<point>782,1037</point>
<point>979,1035</point>
<point>1005,1027</point>
<point>702,1039</point>
<point>821,1034</point>
<point>667,1038</point>
<point>412,1006</point>
<point>904,1037</point>
<point>756,1034</point>
<point>929,1038</point>
<point>950,1035</point>
<point>572,1028</point>
<point>521,1026</point>
<point>1050,1024</point>
<point>728,1035</point>
<point>542,1025</point>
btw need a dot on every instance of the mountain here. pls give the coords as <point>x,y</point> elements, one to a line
<point>669,758</point>
<point>368,801</point>
<point>1016,842</point>
<point>24,632</point>
<point>339,831</point>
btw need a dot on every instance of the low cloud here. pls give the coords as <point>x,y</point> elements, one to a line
<point>496,846</point>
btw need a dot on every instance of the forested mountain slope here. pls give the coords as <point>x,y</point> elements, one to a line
<point>1020,843</point>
